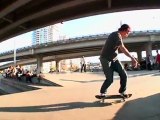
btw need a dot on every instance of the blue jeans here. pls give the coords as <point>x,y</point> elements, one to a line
<point>108,68</point>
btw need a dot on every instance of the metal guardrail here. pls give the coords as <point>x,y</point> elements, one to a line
<point>72,40</point>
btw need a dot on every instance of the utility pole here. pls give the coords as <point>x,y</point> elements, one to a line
<point>14,52</point>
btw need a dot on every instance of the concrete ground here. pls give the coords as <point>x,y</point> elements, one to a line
<point>75,99</point>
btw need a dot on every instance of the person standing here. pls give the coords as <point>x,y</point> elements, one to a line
<point>110,62</point>
<point>83,64</point>
<point>149,62</point>
<point>158,60</point>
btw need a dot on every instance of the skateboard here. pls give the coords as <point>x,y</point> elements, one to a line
<point>122,99</point>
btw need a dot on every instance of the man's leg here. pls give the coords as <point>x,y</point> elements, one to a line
<point>81,67</point>
<point>84,67</point>
<point>159,67</point>
<point>108,71</point>
<point>123,76</point>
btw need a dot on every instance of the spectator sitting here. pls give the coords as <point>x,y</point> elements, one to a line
<point>29,76</point>
<point>9,72</point>
<point>19,73</point>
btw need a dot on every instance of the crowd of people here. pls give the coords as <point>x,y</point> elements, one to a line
<point>151,63</point>
<point>18,73</point>
<point>148,63</point>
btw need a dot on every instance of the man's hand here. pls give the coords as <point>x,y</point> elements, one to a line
<point>135,63</point>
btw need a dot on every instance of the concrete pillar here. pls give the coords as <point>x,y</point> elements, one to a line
<point>149,48</point>
<point>149,52</point>
<point>57,65</point>
<point>139,55</point>
<point>39,64</point>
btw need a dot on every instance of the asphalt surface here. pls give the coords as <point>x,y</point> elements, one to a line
<point>75,99</point>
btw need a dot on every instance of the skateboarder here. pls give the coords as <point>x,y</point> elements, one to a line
<point>110,62</point>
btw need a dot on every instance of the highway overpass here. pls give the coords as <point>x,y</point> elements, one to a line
<point>138,41</point>
<point>21,16</point>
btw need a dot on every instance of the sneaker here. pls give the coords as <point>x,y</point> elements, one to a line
<point>124,95</point>
<point>102,95</point>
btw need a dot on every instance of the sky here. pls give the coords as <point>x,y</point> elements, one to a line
<point>105,23</point>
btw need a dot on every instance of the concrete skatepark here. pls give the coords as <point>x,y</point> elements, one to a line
<point>74,99</point>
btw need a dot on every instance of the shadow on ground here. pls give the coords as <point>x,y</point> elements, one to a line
<point>53,107</point>
<point>139,109</point>
<point>11,86</point>
<point>147,108</point>
<point>46,82</point>
<point>81,81</point>
<point>132,73</point>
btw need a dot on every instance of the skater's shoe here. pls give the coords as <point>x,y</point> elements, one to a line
<point>124,95</point>
<point>102,95</point>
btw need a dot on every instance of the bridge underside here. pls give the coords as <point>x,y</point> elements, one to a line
<point>20,16</point>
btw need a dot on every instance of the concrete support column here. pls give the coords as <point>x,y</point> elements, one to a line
<point>148,54</point>
<point>149,48</point>
<point>57,65</point>
<point>39,64</point>
<point>139,55</point>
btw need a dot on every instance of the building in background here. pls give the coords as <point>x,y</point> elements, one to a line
<point>44,35</point>
<point>47,34</point>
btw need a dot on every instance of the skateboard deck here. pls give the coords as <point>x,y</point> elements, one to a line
<point>113,97</point>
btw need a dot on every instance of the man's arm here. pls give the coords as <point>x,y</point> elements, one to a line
<point>126,52</point>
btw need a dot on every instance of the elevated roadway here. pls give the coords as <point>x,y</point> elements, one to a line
<point>21,16</point>
<point>81,46</point>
